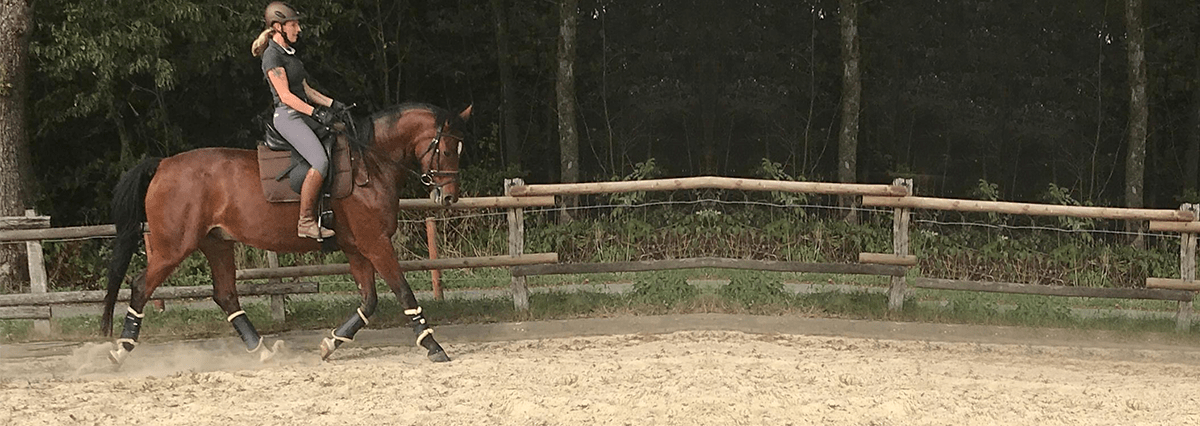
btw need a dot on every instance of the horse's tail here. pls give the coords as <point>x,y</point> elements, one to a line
<point>128,213</point>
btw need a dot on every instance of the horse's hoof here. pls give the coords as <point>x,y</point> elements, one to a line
<point>118,356</point>
<point>439,356</point>
<point>265,354</point>
<point>328,345</point>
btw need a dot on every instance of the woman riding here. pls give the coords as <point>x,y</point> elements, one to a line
<point>294,98</point>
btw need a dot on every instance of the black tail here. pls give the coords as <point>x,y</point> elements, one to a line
<point>128,213</point>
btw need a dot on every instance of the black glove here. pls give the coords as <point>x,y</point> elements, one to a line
<point>324,115</point>
<point>338,106</point>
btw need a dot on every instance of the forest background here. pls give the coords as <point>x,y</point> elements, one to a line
<point>1093,102</point>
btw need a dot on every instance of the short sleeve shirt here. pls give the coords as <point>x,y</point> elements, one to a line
<point>275,57</point>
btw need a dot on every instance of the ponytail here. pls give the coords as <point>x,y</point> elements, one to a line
<point>260,44</point>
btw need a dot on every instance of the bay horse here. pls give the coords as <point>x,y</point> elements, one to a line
<point>210,198</point>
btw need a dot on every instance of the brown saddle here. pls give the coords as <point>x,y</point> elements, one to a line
<point>281,169</point>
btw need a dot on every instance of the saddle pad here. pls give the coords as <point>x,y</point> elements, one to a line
<point>271,164</point>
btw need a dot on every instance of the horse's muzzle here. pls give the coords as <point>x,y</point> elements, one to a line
<point>442,197</point>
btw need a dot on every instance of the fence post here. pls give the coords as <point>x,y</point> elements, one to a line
<point>900,248</point>
<point>37,276</point>
<point>516,246</point>
<point>278,301</point>
<point>1187,270</point>
<point>435,276</point>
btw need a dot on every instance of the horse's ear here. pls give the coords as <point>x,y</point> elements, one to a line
<point>466,113</point>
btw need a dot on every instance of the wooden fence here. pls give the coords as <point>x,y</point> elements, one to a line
<point>898,196</point>
<point>38,304</point>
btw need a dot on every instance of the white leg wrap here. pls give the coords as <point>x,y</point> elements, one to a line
<point>424,334</point>
<point>411,312</point>
<point>234,315</point>
<point>343,339</point>
<point>364,318</point>
<point>135,313</point>
<point>256,348</point>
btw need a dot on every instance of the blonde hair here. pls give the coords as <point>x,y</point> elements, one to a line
<point>260,44</point>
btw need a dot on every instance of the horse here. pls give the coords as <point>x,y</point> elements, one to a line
<point>210,198</point>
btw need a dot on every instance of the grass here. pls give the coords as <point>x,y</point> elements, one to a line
<point>653,293</point>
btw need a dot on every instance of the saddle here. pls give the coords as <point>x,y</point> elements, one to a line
<point>282,169</point>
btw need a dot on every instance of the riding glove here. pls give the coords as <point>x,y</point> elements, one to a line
<point>324,115</point>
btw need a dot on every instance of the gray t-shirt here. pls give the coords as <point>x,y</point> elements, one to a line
<point>274,57</point>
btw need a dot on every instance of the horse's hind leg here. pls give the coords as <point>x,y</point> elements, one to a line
<point>364,275</point>
<point>162,257</point>
<point>220,255</point>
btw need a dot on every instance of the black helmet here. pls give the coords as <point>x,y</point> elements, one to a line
<point>280,12</point>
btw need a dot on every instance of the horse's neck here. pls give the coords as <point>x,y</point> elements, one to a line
<point>387,172</point>
<point>395,138</point>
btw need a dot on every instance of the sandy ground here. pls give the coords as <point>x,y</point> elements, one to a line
<point>660,375</point>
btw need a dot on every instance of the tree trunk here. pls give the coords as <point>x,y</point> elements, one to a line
<point>851,94</point>
<point>706,68</point>
<point>15,26</point>
<point>1191,163</point>
<point>568,136</point>
<point>508,104</point>
<point>1139,110</point>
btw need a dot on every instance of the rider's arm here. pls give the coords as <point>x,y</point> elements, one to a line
<point>279,81</point>
<point>317,97</point>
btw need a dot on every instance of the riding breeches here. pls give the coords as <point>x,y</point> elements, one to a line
<point>291,125</point>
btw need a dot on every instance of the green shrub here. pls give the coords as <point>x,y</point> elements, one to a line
<point>750,292</point>
<point>663,290</point>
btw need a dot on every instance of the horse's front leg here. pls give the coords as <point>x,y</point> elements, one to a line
<point>416,318</point>
<point>364,275</point>
<point>385,263</point>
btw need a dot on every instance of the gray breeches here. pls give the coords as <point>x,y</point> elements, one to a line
<point>290,124</point>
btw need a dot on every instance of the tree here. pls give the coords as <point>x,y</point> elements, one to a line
<point>1139,110</point>
<point>15,26</point>
<point>1191,164</point>
<point>568,136</point>
<point>851,94</point>
<point>508,104</point>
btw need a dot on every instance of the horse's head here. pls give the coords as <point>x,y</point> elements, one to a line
<point>434,138</point>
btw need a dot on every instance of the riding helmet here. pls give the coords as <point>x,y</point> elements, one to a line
<point>280,12</point>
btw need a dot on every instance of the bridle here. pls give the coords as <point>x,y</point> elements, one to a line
<point>435,149</point>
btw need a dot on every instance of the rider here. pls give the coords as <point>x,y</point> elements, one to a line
<point>293,99</point>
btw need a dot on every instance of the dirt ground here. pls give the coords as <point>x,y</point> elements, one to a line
<point>682,370</point>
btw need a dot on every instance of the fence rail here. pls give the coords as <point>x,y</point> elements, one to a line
<point>705,182</point>
<point>708,262</point>
<point>162,293</point>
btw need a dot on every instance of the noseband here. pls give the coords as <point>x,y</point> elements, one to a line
<point>435,148</point>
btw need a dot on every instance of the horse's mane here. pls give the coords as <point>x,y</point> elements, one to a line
<point>442,116</point>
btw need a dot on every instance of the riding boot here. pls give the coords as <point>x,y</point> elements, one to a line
<point>309,191</point>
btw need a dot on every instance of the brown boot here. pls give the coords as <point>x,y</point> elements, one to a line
<point>309,191</point>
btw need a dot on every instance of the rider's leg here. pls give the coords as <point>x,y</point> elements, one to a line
<point>292,126</point>
<point>310,191</point>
